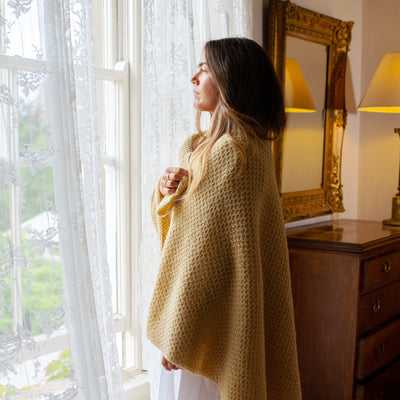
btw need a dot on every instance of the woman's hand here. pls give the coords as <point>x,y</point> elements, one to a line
<point>170,180</point>
<point>167,365</point>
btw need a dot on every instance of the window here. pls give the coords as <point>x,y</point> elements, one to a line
<point>30,261</point>
<point>117,63</point>
<point>29,252</point>
<point>26,155</point>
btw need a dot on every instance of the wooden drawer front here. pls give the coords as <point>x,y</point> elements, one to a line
<point>378,349</point>
<point>378,306</point>
<point>380,271</point>
<point>385,386</point>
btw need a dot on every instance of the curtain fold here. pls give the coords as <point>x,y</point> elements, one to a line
<point>78,191</point>
<point>51,208</point>
<point>174,32</point>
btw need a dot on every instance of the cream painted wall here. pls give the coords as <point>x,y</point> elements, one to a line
<point>379,145</point>
<point>257,10</point>
<point>348,11</point>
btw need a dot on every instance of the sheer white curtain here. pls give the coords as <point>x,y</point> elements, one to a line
<point>56,330</point>
<point>174,32</point>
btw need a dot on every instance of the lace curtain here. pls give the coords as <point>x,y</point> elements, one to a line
<point>174,32</point>
<point>56,323</point>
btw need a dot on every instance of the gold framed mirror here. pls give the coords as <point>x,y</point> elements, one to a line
<point>308,156</point>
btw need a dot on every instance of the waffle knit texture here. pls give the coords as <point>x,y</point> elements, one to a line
<point>222,304</point>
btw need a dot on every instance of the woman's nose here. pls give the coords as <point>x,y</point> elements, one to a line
<point>194,79</point>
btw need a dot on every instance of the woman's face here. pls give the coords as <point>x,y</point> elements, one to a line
<point>205,92</point>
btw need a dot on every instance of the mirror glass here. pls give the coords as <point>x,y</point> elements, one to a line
<point>303,140</point>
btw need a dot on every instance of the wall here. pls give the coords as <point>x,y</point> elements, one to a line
<point>257,21</point>
<point>379,145</point>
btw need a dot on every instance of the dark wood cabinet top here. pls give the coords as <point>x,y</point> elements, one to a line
<point>345,235</point>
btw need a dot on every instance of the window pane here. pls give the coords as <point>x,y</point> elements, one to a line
<point>8,177</point>
<point>106,103</point>
<point>106,106</point>
<point>104,32</point>
<point>6,315</point>
<point>21,30</point>
<point>40,271</point>
<point>41,283</point>
<point>110,198</point>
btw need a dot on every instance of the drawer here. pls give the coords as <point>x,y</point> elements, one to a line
<point>378,306</point>
<point>378,349</point>
<point>385,386</point>
<point>380,271</point>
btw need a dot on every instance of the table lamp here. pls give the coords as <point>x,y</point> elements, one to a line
<point>383,95</point>
<point>297,95</point>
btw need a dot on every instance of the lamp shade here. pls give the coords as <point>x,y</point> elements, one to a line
<point>383,92</point>
<point>297,95</point>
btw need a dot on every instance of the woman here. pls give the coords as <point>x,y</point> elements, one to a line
<point>222,306</point>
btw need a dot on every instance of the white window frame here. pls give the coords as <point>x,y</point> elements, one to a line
<point>130,16</point>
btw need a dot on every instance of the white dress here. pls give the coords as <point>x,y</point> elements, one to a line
<point>183,385</point>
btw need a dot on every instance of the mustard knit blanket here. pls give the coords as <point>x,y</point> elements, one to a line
<point>222,304</point>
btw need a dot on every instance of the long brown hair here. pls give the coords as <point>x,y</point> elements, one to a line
<point>250,100</point>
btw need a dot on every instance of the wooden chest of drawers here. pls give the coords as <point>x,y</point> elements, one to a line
<point>346,292</point>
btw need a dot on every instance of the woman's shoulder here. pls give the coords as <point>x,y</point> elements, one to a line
<point>240,141</point>
<point>191,142</point>
<point>225,144</point>
<point>228,151</point>
<point>188,146</point>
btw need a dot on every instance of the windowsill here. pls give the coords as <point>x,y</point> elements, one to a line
<point>55,387</point>
<point>136,386</point>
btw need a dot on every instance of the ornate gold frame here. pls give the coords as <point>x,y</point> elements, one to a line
<point>283,18</point>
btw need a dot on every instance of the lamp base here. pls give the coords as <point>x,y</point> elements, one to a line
<point>391,222</point>
<point>395,220</point>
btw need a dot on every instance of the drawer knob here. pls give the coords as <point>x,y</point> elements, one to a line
<point>376,305</point>
<point>380,349</point>
<point>386,266</point>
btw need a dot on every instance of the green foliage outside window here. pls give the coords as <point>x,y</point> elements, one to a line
<point>56,369</point>
<point>41,280</point>
<point>41,269</point>
<point>59,368</point>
